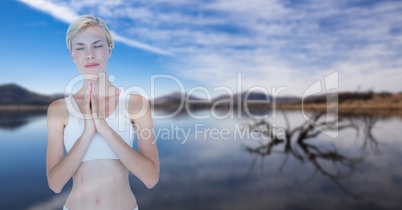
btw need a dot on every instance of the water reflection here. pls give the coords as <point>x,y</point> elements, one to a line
<point>15,119</point>
<point>326,159</point>
<point>305,170</point>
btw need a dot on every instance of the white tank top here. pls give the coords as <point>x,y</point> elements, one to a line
<point>98,148</point>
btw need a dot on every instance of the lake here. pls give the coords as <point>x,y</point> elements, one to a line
<point>232,164</point>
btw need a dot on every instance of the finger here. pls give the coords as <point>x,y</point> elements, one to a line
<point>86,105</point>
<point>94,105</point>
<point>95,115</point>
<point>90,97</point>
<point>91,87</point>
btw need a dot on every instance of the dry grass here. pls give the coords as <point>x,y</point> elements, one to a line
<point>378,104</point>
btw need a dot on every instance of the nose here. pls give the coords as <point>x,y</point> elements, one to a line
<point>90,54</point>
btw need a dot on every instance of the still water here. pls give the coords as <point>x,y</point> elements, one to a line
<point>225,164</point>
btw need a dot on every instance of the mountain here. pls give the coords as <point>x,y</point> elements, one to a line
<point>236,98</point>
<point>173,98</point>
<point>253,97</point>
<point>13,94</point>
<point>256,97</point>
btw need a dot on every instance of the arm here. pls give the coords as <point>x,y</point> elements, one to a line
<point>60,169</point>
<point>145,163</point>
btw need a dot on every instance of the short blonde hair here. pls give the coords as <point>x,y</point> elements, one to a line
<point>84,22</point>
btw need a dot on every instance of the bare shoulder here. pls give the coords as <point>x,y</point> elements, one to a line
<point>57,109</point>
<point>138,101</point>
<point>138,104</point>
<point>57,105</point>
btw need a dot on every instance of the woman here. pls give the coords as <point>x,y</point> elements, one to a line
<point>96,129</point>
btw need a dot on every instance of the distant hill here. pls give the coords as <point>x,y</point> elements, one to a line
<point>173,98</point>
<point>236,98</point>
<point>172,101</point>
<point>253,97</point>
<point>13,94</point>
<point>257,97</point>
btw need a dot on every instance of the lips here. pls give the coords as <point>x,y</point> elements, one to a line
<point>91,65</point>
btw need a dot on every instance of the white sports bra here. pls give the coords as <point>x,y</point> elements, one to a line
<point>98,148</point>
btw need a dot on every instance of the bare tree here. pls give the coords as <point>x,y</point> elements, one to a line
<point>296,143</point>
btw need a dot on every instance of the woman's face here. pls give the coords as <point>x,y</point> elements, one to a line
<point>90,51</point>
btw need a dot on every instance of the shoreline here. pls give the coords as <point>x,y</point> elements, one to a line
<point>22,107</point>
<point>342,108</point>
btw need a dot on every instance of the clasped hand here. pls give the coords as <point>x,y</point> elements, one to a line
<point>93,122</point>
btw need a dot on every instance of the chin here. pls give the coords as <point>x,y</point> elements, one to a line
<point>91,75</point>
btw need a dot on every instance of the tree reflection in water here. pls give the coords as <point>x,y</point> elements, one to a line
<point>16,119</point>
<point>298,143</point>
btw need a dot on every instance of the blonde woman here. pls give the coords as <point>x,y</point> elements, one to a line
<point>95,127</point>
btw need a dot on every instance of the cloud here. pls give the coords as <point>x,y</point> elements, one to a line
<point>274,43</point>
<point>62,13</point>
<point>140,45</point>
<point>66,14</point>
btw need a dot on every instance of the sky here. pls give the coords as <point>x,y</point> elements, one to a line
<point>209,44</point>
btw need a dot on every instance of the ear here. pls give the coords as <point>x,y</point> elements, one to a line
<point>110,51</point>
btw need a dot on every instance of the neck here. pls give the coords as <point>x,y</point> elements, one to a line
<point>102,86</point>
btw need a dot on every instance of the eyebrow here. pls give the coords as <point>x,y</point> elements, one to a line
<point>92,42</point>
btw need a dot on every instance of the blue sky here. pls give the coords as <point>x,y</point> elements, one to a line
<point>273,43</point>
